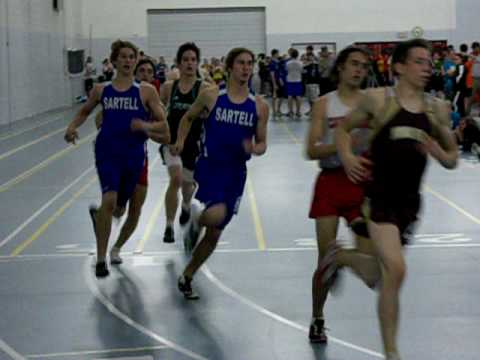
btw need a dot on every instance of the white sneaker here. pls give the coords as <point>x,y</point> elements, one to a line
<point>115,258</point>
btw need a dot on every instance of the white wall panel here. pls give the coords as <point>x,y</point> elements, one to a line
<point>215,31</point>
<point>36,58</point>
<point>283,16</point>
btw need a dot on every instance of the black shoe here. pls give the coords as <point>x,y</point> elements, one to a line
<point>169,236</point>
<point>185,287</point>
<point>184,216</point>
<point>93,210</point>
<point>101,269</point>
<point>317,332</point>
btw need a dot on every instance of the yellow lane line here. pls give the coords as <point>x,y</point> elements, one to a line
<point>151,223</point>
<point>13,151</point>
<point>153,217</point>
<point>52,219</point>
<point>256,216</point>
<point>44,163</point>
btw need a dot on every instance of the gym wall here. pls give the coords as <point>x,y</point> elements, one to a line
<point>286,21</point>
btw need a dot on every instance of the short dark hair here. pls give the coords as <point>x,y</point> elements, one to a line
<point>143,62</point>
<point>309,48</point>
<point>188,46</point>
<point>342,58</point>
<point>274,52</point>
<point>401,51</point>
<point>475,44</point>
<point>234,53</point>
<point>464,48</point>
<point>294,53</point>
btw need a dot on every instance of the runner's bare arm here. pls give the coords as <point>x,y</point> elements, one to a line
<point>71,134</point>
<point>315,149</point>
<point>259,146</point>
<point>203,104</point>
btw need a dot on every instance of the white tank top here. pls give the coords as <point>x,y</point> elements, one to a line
<point>336,111</point>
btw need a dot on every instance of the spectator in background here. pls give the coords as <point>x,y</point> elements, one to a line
<point>311,79</point>
<point>107,70</point>
<point>325,62</point>
<point>89,75</point>
<point>294,83</point>
<point>475,74</point>
<point>276,75</point>
<point>161,70</point>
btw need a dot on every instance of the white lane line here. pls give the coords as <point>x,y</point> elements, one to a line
<point>279,318</point>
<point>44,207</point>
<point>129,321</point>
<point>8,258</point>
<point>8,136</point>
<point>13,151</point>
<point>96,352</point>
<point>10,351</point>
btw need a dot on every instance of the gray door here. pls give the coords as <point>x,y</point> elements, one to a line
<point>214,30</point>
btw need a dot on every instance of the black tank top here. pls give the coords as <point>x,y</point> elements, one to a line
<point>398,158</point>
<point>177,107</point>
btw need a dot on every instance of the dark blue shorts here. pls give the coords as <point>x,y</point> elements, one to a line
<point>220,184</point>
<point>294,89</point>
<point>119,175</point>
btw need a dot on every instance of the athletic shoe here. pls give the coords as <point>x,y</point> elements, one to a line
<point>169,235</point>
<point>185,287</point>
<point>317,331</point>
<point>101,269</point>
<point>93,210</point>
<point>184,216</point>
<point>115,258</point>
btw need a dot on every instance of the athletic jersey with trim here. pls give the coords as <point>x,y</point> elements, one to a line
<point>115,137</point>
<point>226,129</point>
<point>397,155</point>
<point>178,105</point>
<point>336,112</point>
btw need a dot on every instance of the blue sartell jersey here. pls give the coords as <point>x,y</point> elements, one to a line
<point>226,129</point>
<point>119,109</point>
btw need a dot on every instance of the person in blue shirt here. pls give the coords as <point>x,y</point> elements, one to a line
<point>235,128</point>
<point>120,144</point>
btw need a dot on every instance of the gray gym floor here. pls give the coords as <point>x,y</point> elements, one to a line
<point>255,290</point>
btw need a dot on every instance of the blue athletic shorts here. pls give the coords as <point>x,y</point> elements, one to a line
<point>220,184</point>
<point>117,174</point>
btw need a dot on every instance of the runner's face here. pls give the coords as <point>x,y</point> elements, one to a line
<point>145,73</point>
<point>242,67</point>
<point>125,62</point>
<point>355,69</point>
<point>417,68</point>
<point>188,63</point>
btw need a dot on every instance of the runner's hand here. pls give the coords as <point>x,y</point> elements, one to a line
<point>358,168</point>
<point>71,135</point>
<point>176,149</point>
